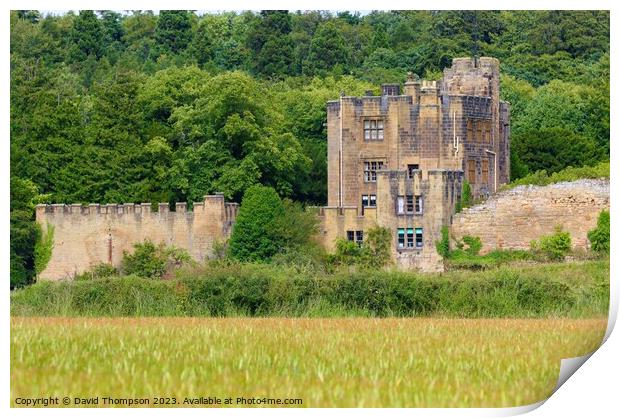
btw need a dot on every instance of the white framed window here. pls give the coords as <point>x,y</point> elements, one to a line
<point>373,129</point>
<point>400,205</point>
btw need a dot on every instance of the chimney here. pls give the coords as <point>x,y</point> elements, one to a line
<point>390,89</point>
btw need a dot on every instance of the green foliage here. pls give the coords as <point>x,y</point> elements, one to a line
<point>373,254</point>
<point>154,262</point>
<point>256,235</point>
<point>173,31</point>
<point>576,290</point>
<point>553,247</point>
<point>599,236</point>
<point>376,251</point>
<point>24,231</point>
<point>443,245</point>
<point>465,200</point>
<point>43,249</point>
<point>460,259</point>
<point>541,178</point>
<point>474,245</point>
<point>101,270</point>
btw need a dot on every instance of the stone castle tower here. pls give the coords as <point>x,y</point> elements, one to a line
<point>399,160</point>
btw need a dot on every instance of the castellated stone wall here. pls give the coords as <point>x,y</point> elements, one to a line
<point>513,218</point>
<point>88,235</point>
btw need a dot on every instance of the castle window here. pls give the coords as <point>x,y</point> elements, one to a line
<point>373,129</point>
<point>411,168</point>
<point>418,204</point>
<point>485,171</point>
<point>409,237</point>
<point>487,136</point>
<point>370,170</point>
<point>479,128</point>
<point>356,236</point>
<point>401,237</point>
<point>471,171</point>
<point>470,130</point>
<point>400,205</point>
<point>409,203</point>
<point>369,200</point>
<point>419,239</point>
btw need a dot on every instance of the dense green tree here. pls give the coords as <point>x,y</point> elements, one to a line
<point>327,49</point>
<point>256,235</point>
<point>553,149</point>
<point>86,36</point>
<point>24,232</point>
<point>173,31</point>
<point>271,43</point>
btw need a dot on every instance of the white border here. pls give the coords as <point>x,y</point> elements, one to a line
<point>592,390</point>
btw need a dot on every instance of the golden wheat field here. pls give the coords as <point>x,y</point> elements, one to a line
<point>354,362</point>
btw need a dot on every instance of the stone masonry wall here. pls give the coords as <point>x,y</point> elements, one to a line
<point>513,218</point>
<point>88,235</point>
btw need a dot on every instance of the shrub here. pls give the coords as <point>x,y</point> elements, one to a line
<point>97,272</point>
<point>257,231</point>
<point>263,289</point>
<point>347,252</point>
<point>466,199</point>
<point>553,247</point>
<point>373,254</point>
<point>474,245</point>
<point>151,261</point>
<point>376,249</point>
<point>542,178</point>
<point>145,261</point>
<point>43,249</point>
<point>443,245</point>
<point>599,236</point>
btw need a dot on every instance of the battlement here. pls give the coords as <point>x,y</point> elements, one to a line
<point>133,209</point>
<point>86,235</point>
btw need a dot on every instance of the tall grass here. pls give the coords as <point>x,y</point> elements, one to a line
<point>538,290</point>
<point>346,362</point>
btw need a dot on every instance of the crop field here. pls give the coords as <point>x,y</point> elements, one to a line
<point>356,362</point>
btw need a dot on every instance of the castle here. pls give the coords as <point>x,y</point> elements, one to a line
<point>397,160</point>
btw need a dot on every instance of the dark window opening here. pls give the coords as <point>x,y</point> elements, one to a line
<point>370,170</point>
<point>411,168</point>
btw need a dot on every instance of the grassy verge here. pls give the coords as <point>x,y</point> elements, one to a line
<point>534,290</point>
<point>355,362</point>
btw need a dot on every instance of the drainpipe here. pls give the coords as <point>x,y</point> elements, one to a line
<point>340,159</point>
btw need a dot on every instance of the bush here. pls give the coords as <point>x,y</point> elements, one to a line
<point>376,249</point>
<point>553,247</point>
<point>599,236</point>
<point>150,261</point>
<point>474,245</point>
<point>541,178</point>
<point>257,232</point>
<point>373,254</point>
<point>466,199</point>
<point>443,245</point>
<point>43,249</point>
<point>264,290</point>
<point>97,272</point>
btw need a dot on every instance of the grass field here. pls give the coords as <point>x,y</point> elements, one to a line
<point>423,362</point>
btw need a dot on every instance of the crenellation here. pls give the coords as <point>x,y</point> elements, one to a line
<point>88,235</point>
